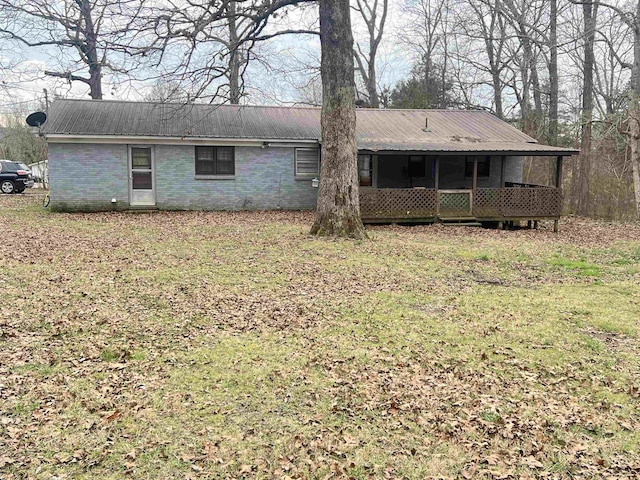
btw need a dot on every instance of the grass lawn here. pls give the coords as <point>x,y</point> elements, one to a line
<point>234,345</point>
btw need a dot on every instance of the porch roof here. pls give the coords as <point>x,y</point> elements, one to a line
<point>437,131</point>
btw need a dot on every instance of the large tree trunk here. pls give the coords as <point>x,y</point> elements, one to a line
<point>634,111</point>
<point>338,210</point>
<point>634,148</point>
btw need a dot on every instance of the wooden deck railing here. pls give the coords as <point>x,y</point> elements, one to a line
<point>392,203</point>
<point>483,203</point>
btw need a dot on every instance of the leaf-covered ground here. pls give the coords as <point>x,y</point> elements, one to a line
<point>233,345</point>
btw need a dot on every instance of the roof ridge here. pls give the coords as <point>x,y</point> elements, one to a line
<point>180,104</point>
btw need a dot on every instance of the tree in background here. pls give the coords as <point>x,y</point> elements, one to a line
<point>374,15</point>
<point>210,45</point>
<point>428,37</point>
<point>166,91</point>
<point>423,88</point>
<point>18,143</point>
<point>91,36</point>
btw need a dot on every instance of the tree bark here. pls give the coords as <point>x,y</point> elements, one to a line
<point>634,148</point>
<point>338,209</point>
<point>634,111</point>
<point>90,51</point>
<point>553,74</point>
<point>369,12</point>
<point>589,9</point>
<point>235,55</point>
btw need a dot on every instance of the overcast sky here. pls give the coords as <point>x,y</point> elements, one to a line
<point>291,60</point>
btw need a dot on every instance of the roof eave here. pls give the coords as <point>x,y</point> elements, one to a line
<point>167,140</point>
<point>475,151</point>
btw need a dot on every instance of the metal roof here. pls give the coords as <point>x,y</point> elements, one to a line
<point>376,130</point>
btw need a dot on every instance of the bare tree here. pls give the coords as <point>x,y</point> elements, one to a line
<point>485,22</point>
<point>589,11</point>
<point>87,33</point>
<point>374,14</point>
<point>214,42</point>
<point>165,91</point>
<point>554,86</point>
<point>525,19</point>
<point>427,37</point>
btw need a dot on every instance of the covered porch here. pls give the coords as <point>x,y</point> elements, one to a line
<point>478,186</point>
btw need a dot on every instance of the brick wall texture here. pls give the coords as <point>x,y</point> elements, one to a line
<point>86,177</point>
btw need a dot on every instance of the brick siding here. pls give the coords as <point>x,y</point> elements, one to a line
<point>85,177</point>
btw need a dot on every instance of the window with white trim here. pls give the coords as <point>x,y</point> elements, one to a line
<point>307,162</point>
<point>215,161</point>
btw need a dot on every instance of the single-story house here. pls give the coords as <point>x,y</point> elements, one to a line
<point>415,165</point>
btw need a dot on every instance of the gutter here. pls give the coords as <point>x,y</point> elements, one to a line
<point>146,140</point>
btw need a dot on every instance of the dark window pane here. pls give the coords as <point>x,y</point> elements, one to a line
<point>215,161</point>
<point>141,158</point>
<point>205,168</point>
<point>468,167</point>
<point>417,167</point>
<point>225,154</point>
<point>484,167</point>
<point>204,153</point>
<point>225,167</point>
<point>142,181</point>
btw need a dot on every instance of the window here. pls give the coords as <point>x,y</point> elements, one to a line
<point>215,161</point>
<point>141,169</point>
<point>484,167</point>
<point>417,166</point>
<point>9,167</point>
<point>307,162</point>
<point>365,170</point>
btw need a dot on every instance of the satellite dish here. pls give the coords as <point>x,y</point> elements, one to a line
<point>36,119</point>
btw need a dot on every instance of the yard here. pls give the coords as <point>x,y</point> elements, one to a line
<point>208,345</point>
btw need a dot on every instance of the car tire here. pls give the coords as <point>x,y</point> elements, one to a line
<point>7,186</point>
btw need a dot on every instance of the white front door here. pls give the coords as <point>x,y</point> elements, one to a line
<point>142,189</point>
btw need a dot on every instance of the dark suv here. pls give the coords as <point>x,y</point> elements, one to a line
<point>14,177</point>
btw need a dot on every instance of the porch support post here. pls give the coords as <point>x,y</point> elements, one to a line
<point>558,185</point>
<point>502,169</point>
<point>475,173</point>
<point>436,182</point>
<point>559,172</point>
